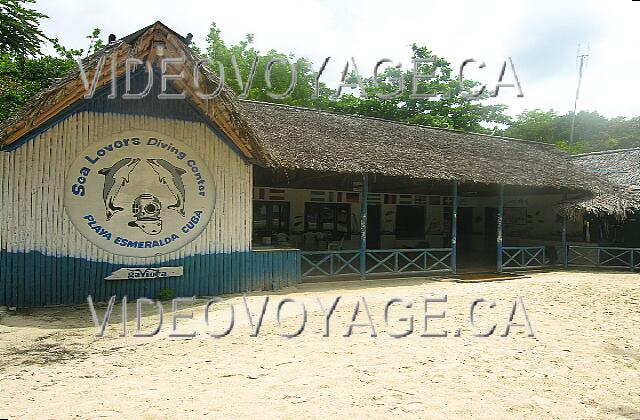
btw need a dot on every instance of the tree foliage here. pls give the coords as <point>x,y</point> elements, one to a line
<point>20,80</point>
<point>448,110</point>
<point>24,71</point>
<point>23,77</point>
<point>592,131</point>
<point>245,55</point>
<point>20,34</point>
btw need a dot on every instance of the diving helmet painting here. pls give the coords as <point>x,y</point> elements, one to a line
<point>146,209</point>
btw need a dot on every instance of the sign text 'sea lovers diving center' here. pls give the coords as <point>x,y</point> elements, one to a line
<point>139,193</point>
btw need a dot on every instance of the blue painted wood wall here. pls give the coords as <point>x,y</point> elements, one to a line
<point>33,279</point>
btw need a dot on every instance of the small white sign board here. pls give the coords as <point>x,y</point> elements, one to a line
<point>145,273</point>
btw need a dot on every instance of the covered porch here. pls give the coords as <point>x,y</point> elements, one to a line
<point>371,225</point>
<point>367,197</point>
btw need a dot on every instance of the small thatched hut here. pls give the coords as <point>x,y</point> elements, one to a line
<point>612,216</point>
<point>621,168</point>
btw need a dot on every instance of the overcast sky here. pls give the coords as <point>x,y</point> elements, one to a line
<point>541,36</point>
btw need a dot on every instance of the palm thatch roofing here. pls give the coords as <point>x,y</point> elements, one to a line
<point>302,138</point>
<point>143,45</point>
<point>621,169</point>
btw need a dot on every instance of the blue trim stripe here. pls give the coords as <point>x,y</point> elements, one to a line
<point>33,279</point>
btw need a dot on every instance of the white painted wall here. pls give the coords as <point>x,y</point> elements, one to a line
<point>33,176</point>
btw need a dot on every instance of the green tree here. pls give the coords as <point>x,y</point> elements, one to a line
<point>95,43</point>
<point>23,77</point>
<point>593,131</point>
<point>449,109</point>
<point>20,34</point>
<point>245,55</point>
<point>452,111</point>
<point>535,125</point>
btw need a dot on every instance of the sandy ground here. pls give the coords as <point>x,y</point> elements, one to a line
<point>584,361</point>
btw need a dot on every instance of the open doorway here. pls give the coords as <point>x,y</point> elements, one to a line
<point>476,248</point>
<point>464,233</point>
<point>373,226</point>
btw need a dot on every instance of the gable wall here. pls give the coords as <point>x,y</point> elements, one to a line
<point>33,179</point>
<point>45,260</point>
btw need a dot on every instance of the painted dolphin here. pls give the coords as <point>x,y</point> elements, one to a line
<point>170,176</point>
<point>115,177</point>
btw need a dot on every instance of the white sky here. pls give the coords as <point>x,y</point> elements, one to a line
<point>541,36</point>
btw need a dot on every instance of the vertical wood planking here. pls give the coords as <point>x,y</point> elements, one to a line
<point>44,260</point>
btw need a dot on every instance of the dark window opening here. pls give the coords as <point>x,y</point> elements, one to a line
<point>270,218</point>
<point>410,222</point>
<point>332,219</point>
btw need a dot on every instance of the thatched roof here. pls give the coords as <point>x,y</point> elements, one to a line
<point>621,168</point>
<point>302,138</point>
<point>142,45</point>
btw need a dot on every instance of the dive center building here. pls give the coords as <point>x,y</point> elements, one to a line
<point>108,194</point>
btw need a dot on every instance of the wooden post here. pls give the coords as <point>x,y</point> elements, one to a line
<point>454,228</point>
<point>565,245</point>
<point>363,225</point>
<point>499,233</point>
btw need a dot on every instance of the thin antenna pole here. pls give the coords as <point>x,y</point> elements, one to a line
<point>581,58</point>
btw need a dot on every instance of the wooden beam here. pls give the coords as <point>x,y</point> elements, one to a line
<point>499,241</point>
<point>454,227</point>
<point>364,198</point>
<point>565,250</point>
<point>220,118</point>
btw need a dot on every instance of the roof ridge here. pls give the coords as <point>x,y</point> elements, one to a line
<point>42,109</point>
<point>606,152</point>
<point>491,136</point>
<point>134,35</point>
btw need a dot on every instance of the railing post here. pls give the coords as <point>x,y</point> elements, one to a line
<point>363,225</point>
<point>332,265</point>
<point>499,233</point>
<point>632,260</point>
<point>396,263</point>
<point>454,228</point>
